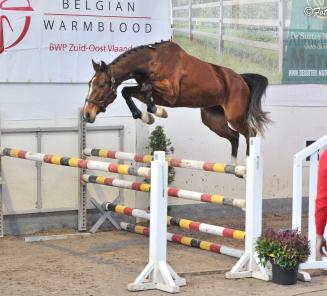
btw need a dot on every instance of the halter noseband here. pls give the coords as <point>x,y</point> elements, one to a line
<point>102,103</point>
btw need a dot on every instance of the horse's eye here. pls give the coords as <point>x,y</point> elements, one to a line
<point>101,85</point>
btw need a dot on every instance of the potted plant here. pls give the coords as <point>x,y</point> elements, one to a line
<point>285,250</point>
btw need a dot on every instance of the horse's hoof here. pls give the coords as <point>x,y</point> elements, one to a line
<point>147,118</point>
<point>161,112</point>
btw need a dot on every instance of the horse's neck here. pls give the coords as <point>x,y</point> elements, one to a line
<point>134,63</point>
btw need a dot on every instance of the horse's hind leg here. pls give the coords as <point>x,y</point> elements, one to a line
<point>214,118</point>
<point>243,128</point>
<point>238,120</point>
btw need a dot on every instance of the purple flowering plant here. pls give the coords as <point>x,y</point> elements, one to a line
<point>285,248</point>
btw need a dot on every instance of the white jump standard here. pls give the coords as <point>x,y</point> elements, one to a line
<point>248,265</point>
<point>311,151</point>
<point>158,274</point>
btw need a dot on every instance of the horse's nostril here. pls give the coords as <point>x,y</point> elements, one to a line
<point>87,116</point>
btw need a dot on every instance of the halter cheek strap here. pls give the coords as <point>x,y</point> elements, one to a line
<point>112,80</point>
<point>102,104</point>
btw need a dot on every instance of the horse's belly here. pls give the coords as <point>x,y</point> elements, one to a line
<point>199,102</point>
<point>197,97</point>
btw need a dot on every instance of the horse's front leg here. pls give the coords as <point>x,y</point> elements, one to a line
<point>127,93</point>
<point>146,88</point>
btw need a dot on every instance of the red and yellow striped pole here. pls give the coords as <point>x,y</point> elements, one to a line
<point>77,162</point>
<point>237,170</point>
<point>179,222</point>
<point>186,241</point>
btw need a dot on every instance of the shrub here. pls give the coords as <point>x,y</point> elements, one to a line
<point>158,141</point>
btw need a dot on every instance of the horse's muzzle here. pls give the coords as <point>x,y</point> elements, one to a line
<point>88,118</point>
<point>89,113</point>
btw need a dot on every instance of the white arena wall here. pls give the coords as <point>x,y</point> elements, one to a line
<point>293,126</point>
<point>56,105</point>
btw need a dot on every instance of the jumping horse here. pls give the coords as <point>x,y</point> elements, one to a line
<point>166,75</point>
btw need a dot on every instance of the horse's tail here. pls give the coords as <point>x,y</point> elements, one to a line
<point>257,118</point>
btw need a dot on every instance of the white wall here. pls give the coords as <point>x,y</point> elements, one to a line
<point>292,127</point>
<point>53,105</point>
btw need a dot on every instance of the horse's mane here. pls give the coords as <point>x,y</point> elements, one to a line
<point>138,48</point>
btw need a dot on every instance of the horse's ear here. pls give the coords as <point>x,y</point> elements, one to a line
<point>103,66</point>
<point>96,66</point>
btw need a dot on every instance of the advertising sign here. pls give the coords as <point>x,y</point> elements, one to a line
<point>306,55</point>
<point>55,40</point>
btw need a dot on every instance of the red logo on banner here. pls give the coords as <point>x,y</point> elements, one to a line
<point>5,22</point>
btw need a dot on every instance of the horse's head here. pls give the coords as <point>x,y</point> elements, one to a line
<point>102,91</point>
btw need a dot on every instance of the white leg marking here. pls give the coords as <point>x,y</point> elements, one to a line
<point>161,112</point>
<point>147,118</point>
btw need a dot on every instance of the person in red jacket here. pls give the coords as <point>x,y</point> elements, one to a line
<point>321,205</point>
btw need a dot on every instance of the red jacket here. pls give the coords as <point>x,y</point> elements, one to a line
<point>321,200</point>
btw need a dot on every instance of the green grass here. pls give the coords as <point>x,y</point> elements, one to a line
<point>265,57</point>
<point>270,36</point>
<point>240,58</point>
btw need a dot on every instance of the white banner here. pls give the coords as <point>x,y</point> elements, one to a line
<point>55,40</point>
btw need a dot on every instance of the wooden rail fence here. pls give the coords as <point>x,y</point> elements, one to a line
<point>280,23</point>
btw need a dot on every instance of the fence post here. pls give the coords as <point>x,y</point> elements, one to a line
<point>190,35</point>
<point>282,9</point>
<point>221,27</point>
<point>82,202</point>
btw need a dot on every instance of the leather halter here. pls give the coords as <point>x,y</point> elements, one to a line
<point>102,103</point>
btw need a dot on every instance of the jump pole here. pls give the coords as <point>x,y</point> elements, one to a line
<point>158,274</point>
<point>176,221</point>
<point>172,192</point>
<point>186,241</point>
<point>77,162</point>
<point>239,171</point>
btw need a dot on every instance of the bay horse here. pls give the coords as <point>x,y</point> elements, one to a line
<point>166,75</point>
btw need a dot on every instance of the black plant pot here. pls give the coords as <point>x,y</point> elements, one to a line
<point>284,277</point>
